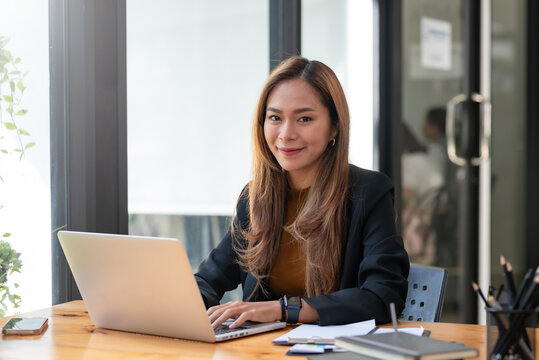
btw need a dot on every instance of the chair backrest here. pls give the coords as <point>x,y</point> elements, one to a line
<point>426,288</point>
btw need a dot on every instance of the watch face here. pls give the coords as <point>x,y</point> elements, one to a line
<point>293,301</point>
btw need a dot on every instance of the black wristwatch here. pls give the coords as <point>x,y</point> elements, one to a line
<point>293,306</point>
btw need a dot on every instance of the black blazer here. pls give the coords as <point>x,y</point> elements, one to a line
<point>375,264</point>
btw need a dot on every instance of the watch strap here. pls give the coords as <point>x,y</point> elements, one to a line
<point>293,306</point>
<point>283,309</point>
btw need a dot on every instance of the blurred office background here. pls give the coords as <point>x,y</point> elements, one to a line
<point>148,109</point>
<point>195,96</point>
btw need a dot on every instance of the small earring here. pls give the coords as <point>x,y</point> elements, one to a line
<point>332,142</point>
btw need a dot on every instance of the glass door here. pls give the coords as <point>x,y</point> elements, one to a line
<point>440,137</point>
<point>508,167</point>
<point>464,145</point>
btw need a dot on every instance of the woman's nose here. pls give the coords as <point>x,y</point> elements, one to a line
<point>287,131</point>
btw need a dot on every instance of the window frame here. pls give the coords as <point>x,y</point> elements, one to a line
<point>88,117</point>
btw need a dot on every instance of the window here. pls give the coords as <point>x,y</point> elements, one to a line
<point>340,34</point>
<point>194,71</point>
<point>25,207</point>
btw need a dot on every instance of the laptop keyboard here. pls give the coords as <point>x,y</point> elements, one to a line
<point>224,329</point>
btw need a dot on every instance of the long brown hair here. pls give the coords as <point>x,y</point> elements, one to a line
<point>321,224</point>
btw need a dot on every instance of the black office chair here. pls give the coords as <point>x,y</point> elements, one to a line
<point>426,289</point>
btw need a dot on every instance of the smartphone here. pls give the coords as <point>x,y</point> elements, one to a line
<point>25,326</point>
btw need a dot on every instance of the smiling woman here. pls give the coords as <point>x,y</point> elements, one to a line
<point>298,130</point>
<point>313,237</point>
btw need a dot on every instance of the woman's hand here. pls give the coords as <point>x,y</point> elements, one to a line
<point>263,311</point>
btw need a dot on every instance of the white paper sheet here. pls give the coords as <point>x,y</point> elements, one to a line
<point>314,348</point>
<point>414,331</point>
<point>308,333</point>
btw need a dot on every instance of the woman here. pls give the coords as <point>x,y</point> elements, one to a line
<point>313,238</point>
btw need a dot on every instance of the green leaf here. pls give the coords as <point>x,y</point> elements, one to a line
<point>14,72</point>
<point>9,110</point>
<point>21,112</point>
<point>8,98</point>
<point>25,73</point>
<point>2,180</point>
<point>29,145</point>
<point>6,235</point>
<point>16,285</point>
<point>4,41</point>
<point>12,86</point>
<point>20,86</point>
<point>17,60</point>
<point>5,152</point>
<point>24,132</point>
<point>59,228</point>
<point>17,150</point>
<point>10,126</point>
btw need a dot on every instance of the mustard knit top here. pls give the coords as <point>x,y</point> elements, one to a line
<point>287,277</point>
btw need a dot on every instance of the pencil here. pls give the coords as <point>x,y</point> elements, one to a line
<point>529,300</point>
<point>508,274</point>
<point>502,345</point>
<point>491,291</point>
<point>516,330</point>
<point>523,286</point>
<point>477,289</point>
<point>499,293</point>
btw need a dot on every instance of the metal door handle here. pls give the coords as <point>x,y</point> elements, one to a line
<point>450,130</point>
<point>485,114</point>
<point>485,129</point>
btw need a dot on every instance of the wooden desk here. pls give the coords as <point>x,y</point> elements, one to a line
<point>71,335</point>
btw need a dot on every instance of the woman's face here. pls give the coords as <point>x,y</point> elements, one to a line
<point>297,129</point>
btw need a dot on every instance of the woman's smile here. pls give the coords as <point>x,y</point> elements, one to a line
<point>289,151</point>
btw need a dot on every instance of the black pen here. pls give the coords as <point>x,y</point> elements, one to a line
<point>393,316</point>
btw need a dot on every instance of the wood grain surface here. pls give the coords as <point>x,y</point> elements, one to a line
<point>71,335</point>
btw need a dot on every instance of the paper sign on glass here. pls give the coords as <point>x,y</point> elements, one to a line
<point>435,44</point>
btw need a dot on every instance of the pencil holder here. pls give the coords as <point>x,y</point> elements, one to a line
<point>511,333</point>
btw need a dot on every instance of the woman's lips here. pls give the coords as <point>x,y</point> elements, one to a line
<point>290,151</point>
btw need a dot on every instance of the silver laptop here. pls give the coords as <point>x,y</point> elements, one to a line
<point>143,285</point>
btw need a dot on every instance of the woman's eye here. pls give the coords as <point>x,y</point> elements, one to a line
<point>304,119</point>
<point>274,118</point>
